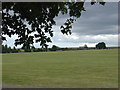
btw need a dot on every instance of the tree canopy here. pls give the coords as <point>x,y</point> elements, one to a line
<point>101,45</point>
<point>54,48</point>
<point>41,17</point>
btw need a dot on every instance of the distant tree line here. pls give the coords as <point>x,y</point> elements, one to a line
<point>6,49</point>
<point>33,49</point>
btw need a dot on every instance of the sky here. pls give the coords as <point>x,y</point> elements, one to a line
<point>97,24</point>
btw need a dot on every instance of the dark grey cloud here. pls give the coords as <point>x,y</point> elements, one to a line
<point>97,24</point>
<point>97,19</point>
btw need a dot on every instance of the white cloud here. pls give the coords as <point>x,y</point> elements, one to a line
<point>72,37</point>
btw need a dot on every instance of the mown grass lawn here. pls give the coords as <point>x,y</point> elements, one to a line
<point>67,69</point>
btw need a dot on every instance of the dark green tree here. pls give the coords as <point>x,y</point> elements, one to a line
<point>27,50</point>
<point>3,49</point>
<point>0,48</point>
<point>41,17</point>
<point>85,46</point>
<point>101,45</point>
<point>54,48</point>
<point>14,50</point>
<point>9,49</point>
<point>6,49</point>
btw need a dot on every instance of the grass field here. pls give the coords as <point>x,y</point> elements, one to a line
<point>68,69</point>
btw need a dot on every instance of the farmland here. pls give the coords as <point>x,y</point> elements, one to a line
<point>62,69</point>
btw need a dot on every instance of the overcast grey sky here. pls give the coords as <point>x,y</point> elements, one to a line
<point>97,24</point>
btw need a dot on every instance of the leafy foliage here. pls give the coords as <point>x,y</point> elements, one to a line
<point>85,46</point>
<point>6,49</point>
<point>54,48</point>
<point>41,17</point>
<point>101,45</point>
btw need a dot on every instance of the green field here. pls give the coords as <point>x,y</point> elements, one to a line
<point>63,69</point>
